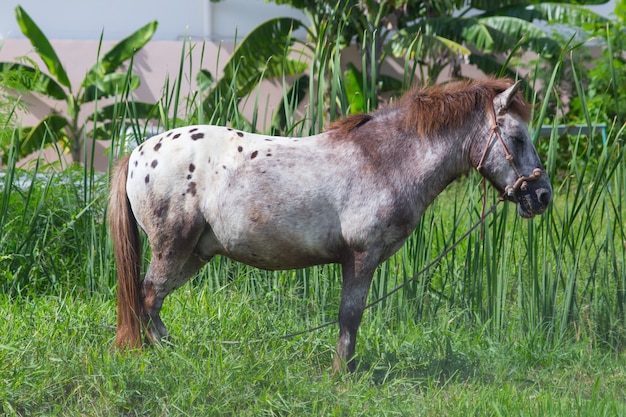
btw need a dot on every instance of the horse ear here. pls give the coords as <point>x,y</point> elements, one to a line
<point>503,100</point>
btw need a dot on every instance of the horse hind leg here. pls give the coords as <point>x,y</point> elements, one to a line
<point>173,263</point>
<point>162,278</point>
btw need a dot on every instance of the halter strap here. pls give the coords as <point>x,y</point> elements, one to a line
<point>522,180</point>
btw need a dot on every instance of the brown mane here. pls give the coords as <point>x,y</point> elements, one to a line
<point>450,105</point>
<point>348,123</point>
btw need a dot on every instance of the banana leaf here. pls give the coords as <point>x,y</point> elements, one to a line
<point>204,80</point>
<point>49,130</point>
<point>264,53</point>
<point>42,46</point>
<point>353,83</point>
<point>31,79</point>
<point>110,118</point>
<point>109,85</point>
<point>120,52</point>
<point>555,12</point>
<point>134,110</point>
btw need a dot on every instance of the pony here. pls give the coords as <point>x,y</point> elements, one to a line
<point>350,195</point>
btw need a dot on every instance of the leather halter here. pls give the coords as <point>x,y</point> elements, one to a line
<point>522,180</point>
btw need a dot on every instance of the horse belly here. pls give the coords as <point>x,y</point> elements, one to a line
<point>277,257</point>
<point>269,236</point>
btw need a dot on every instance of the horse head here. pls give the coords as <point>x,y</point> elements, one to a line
<point>509,159</point>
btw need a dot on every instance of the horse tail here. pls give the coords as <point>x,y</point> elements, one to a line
<point>127,249</point>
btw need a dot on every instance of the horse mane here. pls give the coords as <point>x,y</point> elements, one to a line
<point>351,122</point>
<point>450,105</point>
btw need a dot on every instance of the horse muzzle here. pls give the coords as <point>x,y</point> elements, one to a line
<point>532,193</point>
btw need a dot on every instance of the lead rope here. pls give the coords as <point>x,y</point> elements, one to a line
<point>395,290</point>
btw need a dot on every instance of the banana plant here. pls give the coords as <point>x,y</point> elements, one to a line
<point>263,54</point>
<point>104,79</point>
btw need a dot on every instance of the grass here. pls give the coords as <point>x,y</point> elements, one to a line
<point>55,359</point>
<point>526,320</point>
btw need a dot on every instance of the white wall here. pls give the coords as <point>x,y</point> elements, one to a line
<point>200,19</point>
<point>86,19</point>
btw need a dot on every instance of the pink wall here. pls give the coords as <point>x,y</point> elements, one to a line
<point>155,63</point>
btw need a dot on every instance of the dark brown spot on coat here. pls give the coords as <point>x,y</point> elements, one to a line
<point>193,130</point>
<point>154,163</point>
<point>176,136</point>
<point>157,146</point>
<point>189,176</point>
<point>192,167</point>
<point>254,154</point>
<point>160,210</point>
<point>169,134</point>
<point>240,148</point>
<point>136,163</point>
<point>269,139</point>
<point>147,179</point>
<point>240,134</point>
<point>140,147</point>
<point>192,188</point>
<point>268,154</point>
<point>197,136</point>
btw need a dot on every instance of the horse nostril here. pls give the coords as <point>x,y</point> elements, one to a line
<point>544,196</point>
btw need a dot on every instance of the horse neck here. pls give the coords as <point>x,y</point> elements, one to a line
<point>443,156</point>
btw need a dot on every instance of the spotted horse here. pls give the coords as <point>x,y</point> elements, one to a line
<point>350,195</point>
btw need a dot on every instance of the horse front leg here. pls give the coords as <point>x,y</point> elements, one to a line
<point>357,273</point>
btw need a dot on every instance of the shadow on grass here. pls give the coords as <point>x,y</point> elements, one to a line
<point>437,370</point>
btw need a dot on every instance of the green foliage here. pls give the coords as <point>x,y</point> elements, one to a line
<point>589,83</point>
<point>9,105</point>
<point>435,36</point>
<point>603,80</point>
<point>101,81</point>
<point>443,33</point>
<point>54,236</point>
<point>262,54</point>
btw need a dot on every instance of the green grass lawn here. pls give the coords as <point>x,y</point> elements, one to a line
<point>456,342</point>
<point>56,359</point>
